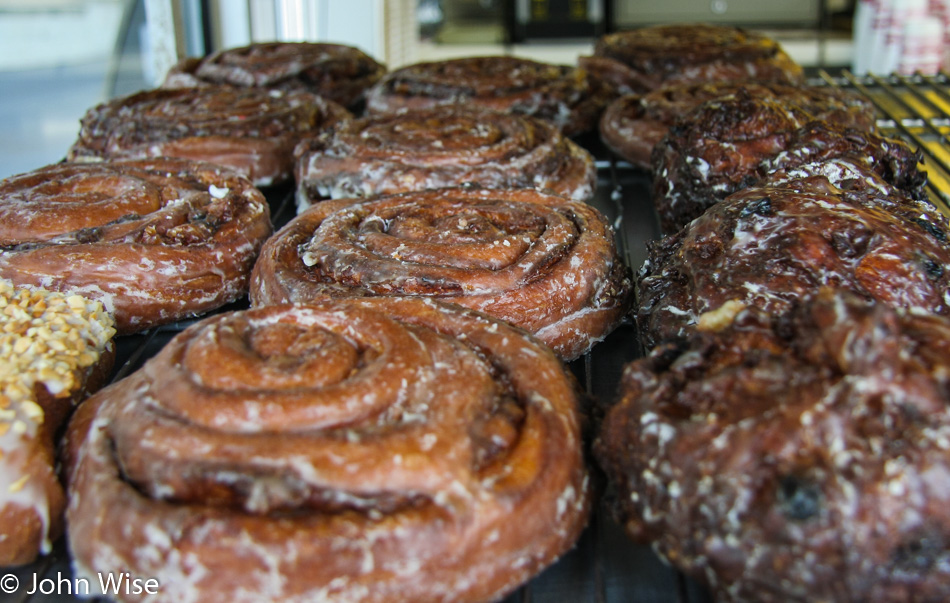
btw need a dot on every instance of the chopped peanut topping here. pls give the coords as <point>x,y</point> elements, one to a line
<point>720,318</point>
<point>49,338</point>
<point>18,485</point>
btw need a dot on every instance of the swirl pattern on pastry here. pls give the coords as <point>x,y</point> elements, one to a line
<point>536,260</point>
<point>250,130</point>
<point>644,59</point>
<point>154,240</point>
<point>336,72</point>
<point>772,245</point>
<point>798,459</point>
<point>730,143</point>
<point>354,450</point>
<point>559,94</point>
<point>632,125</point>
<point>441,147</point>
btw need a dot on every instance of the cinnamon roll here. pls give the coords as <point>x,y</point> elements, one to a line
<point>536,260</point>
<point>644,59</point>
<point>154,240</point>
<point>772,245</point>
<point>354,450</point>
<point>794,459</point>
<point>441,147</point>
<point>562,95</point>
<point>54,349</point>
<point>336,72</point>
<point>632,125</point>
<point>733,142</point>
<point>250,130</point>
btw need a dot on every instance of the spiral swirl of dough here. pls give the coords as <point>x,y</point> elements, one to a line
<point>559,94</point>
<point>371,449</point>
<point>536,260</point>
<point>442,147</point>
<point>336,72</point>
<point>250,130</point>
<point>155,240</point>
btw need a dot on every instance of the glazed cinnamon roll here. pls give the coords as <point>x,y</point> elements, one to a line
<point>632,125</point>
<point>773,245</point>
<point>250,130</point>
<point>441,147</point>
<point>561,95</point>
<point>640,60</point>
<point>154,240</point>
<point>54,349</point>
<point>734,142</point>
<point>801,459</point>
<point>354,450</point>
<point>336,72</point>
<point>536,260</point>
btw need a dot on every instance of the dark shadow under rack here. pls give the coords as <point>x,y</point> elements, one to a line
<point>606,567</point>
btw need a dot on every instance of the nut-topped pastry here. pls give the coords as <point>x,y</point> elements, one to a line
<point>54,348</point>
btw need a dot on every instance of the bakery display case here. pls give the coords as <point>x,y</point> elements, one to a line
<point>604,566</point>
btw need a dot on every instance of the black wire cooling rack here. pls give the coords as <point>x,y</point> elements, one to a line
<point>604,567</point>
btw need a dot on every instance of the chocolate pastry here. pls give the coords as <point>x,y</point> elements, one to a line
<point>632,125</point>
<point>801,458</point>
<point>731,143</point>
<point>773,245</point>
<point>644,59</point>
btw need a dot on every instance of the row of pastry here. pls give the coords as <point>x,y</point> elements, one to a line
<point>785,438</point>
<point>369,441</point>
<point>392,419</point>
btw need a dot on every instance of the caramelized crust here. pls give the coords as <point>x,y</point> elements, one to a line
<point>772,245</point>
<point>645,59</point>
<point>441,147</point>
<point>538,261</point>
<point>731,143</point>
<point>154,240</point>
<point>250,130</point>
<point>632,125</point>
<point>798,459</point>
<point>561,95</point>
<point>353,450</point>
<point>336,72</point>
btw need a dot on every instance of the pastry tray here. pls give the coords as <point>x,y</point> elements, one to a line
<point>604,567</point>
